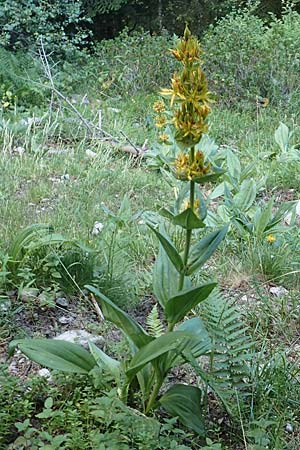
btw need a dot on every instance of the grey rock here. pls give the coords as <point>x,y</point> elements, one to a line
<point>62,302</point>
<point>28,294</point>
<point>45,373</point>
<point>278,291</point>
<point>5,304</point>
<point>64,320</point>
<point>80,337</point>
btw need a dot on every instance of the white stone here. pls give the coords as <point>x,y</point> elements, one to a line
<point>80,337</point>
<point>98,227</point>
<point>278,291</point>
<point>45,373</point>
<point>90,153</point>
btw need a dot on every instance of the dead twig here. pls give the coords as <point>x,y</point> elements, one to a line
<point>95,131</point>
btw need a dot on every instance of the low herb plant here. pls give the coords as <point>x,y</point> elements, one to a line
<point>141,377</point>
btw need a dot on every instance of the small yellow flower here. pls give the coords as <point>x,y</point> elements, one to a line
<point>159,107</point>
<point>187,204</point>
<point>160,121</point>
<point>270,238</point>
<point>182,166</point>
<point>163,137</point>
<point>5,104</point>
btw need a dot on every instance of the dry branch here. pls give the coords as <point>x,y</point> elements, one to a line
<point>95,132</point>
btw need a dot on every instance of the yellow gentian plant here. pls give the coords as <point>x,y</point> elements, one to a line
<point>185,339</point>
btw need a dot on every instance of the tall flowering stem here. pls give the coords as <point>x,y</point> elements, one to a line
<point>189,100</point>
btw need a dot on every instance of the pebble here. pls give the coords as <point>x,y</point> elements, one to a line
<point>62,302</point>
<point>80,337</point>
<point>64,320</point>
<point>289,428</point>
<point>45,373</point>
<point>278,291</point>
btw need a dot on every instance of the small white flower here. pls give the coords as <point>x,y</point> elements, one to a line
<point>98,227</point>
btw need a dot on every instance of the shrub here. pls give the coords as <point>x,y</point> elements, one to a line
<point>246,58</point>
<point>135,62</point>
<point>61,25</point>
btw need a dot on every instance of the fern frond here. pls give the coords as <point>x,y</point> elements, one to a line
<point>232,347</point>
<point>154,326</point>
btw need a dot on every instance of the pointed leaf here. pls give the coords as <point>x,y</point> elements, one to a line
<point>244,199</point>
<point>201,342</point>
<point>177,307</point>
<point>155,349</point>
<point>210,177</point>
<point>184,402</point>
<point>170,249</point>
<point>264,219</point>
<point>203,250</point>
<point>166,213</point>
<point>56,354</point>
<point>282,137</point>
<point>188,220</point>
<point>114,314</point>
<point>234,165</point>
<point>166,278</point>
<point>102,359</point>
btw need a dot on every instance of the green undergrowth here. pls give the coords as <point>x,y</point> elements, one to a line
<point>55,174</point>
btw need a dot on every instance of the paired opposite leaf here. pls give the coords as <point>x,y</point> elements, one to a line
<point>132,330</point>
<point>155,349</point>
<point>177,307</point>
<point>188,220</point>
<point>166,278</point>
<point>102,359</point>
<point>169,248</point>
<point>56,354</point>
<point>185,402</point>
<point>203,250</point>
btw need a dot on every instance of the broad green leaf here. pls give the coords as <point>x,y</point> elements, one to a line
<point>170,249</point>
<point>48,240</point>
<point>199,344</point>
<point>210,177</point>
<point>184,402</point>
<point>234,165</point>
<point>56,354</point>
<point>177,307</point>
<point>151,352</point>
<point>282,137</point>
<point>264,219</point>
<point>188,220</point>
<point>166,278</point>
<point>102,359</point>
<point>23,238</point>
<point>244,199</point>
<point>166,213</point>
<point>203,250</point>
<point>218,191</point>
<point>114,314</point>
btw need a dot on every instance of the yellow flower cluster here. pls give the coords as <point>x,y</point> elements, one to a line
<point>271,238</point>
<point>7,99</point>
<point>163,137</point>
<point>187,170</point>
<point>189,90</point>
<point>159,107</point>
<point>160,121</point>
<point>188,49</point>
<point>187,204</point>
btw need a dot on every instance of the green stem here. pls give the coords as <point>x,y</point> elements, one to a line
<point>188,235</point>
<point>154,395</point>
